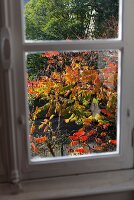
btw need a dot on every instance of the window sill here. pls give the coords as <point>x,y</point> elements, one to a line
<point>70,186</point>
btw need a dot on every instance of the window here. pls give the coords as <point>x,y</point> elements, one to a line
<point>121,46</point>
<point>71,93</point>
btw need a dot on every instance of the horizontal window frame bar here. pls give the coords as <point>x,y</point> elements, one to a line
<point>75,186</point>
<point>63,45</point>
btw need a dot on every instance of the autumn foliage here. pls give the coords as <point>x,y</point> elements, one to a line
<point>73,104</point>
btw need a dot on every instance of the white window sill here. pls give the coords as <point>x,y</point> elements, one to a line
<point>70,186</point>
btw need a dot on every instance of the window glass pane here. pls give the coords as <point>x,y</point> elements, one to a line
<point>72,99</point>
<point>71,19</point>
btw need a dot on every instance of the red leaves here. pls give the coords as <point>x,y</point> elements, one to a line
<point>87,122</point>
<point>104,144</point>
<point>34,148</point>
<point>96,81</point>
<point>73,143</point>
<point>106,112</point>
<point>83,138</point>
<point>114,142</point>
<point>79,133</point>
<point>106,126</point>
<point>103,134</point>
<point>74,137</point>
<point>98,140</point>
<point>81,150</point>
<point>41,139</point>
<point>50,54</point>
<point>68,89</point>
<point>98,148</point>
<point>111,65</point>
<point>78,137</point>
<point>90,133</point>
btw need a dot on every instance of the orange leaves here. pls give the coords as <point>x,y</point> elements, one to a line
<point>67,87</point>
<point>110,75</point>
<point>79,133</point>
<point>90,133</point>
<point>73,143</point>
<point>46,128</point>
<point>114,142</point>
<point>83,138</point>
<point>40,139</point>
<point>56,76</point>
<point>96,81</point>
<point>32,129</point>
<point>98,148</point>
<point>88,75</point>
<point>79,136</point>
<point>103,134</point>
<point>71,75</point>
<point>98,140</point>
<point>50,54</point>
<point>36,110</point>
<point>106,125</point>
<point>87,121</point>
<point>75,138</point>
<point>34,116</point>
<point>104,145</point>
<point>34,148</point>
<point>106,112</point>
<point>81,150</point>
<point>43,123</point>
<point>112,65</point>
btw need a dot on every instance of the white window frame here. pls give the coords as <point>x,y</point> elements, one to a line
<point>13,69</point>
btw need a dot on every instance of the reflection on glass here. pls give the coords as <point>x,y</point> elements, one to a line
<point>71,19</point>
<point>72,100</point>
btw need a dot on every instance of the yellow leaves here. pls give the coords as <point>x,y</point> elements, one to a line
<point>86,67</point>
<point>32,129</point>
<point>77,65</point>
<point>91,117</point>
<point>58,107</point>
<point>48,86</point>
<point>72,118</point>
<point>97,117</point>
<point>51,117</point>
<point>43,123</point>
<point>67,120</point>
<point>77,106</point>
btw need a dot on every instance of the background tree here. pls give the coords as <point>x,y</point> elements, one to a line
<point>71,19</point>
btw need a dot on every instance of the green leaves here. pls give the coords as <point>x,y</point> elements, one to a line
<point>71,19</point>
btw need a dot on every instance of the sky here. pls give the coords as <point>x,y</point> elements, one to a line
<point>26,1</point>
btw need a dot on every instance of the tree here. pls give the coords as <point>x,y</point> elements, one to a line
<point>71,19</point>
<point>80,101</point>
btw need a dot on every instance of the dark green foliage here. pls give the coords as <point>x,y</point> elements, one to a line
<point>70,19</point>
